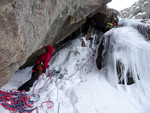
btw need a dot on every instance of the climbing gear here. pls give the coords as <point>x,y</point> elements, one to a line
<point>16,101</point>
<point>20,102</point>
<point>40,66</point>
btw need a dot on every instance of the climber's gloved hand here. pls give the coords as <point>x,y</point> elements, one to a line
<point>44,70</point>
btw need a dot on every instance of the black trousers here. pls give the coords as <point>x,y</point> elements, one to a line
<point>26,86</point>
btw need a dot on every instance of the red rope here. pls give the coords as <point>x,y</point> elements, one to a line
<point>50,78</point>
<point>81,66</point>
<point>16,101</point>
<point>47,102</point>
<point>38,81</point>
<point>36,84</point>
<point>41,88</point>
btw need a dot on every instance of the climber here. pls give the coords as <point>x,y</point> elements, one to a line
<point>109,26</point>
<point>39,67</point>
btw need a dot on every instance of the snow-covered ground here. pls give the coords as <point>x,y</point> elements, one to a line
<point>84,88</point>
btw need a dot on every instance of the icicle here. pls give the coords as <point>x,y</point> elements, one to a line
<point>127,46</point>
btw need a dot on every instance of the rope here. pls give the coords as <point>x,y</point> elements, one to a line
<point>69,77</point>
<point>58,107</point>
<point>47,102</point>
<point>19,101</point>
<point>36,83</point>
<point>16,101</point>
<point>41,88</point>
<point>81,66</point>
<point>50,78</point>
<point>57,96</point>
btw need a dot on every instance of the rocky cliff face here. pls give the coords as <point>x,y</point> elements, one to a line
<point>139,10</point>
<point>29,25</point>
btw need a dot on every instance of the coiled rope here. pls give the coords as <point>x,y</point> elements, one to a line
<point>16,101</point>
<point>20,102</point>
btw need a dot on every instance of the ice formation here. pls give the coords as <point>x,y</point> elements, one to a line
<point>127,48</point>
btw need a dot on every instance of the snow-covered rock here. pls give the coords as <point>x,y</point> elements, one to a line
<point>139,10</point>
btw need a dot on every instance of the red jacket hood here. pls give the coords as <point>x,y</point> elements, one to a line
<point>49,49</point>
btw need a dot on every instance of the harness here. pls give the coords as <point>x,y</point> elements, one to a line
<point>38,66</point>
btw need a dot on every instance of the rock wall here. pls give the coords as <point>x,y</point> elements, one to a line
<point>29,25</point>
<point>98,21</point>
<point>139,10</point>
<point>106,15</point>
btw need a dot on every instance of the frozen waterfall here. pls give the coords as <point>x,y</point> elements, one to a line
<point>126,55</point>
